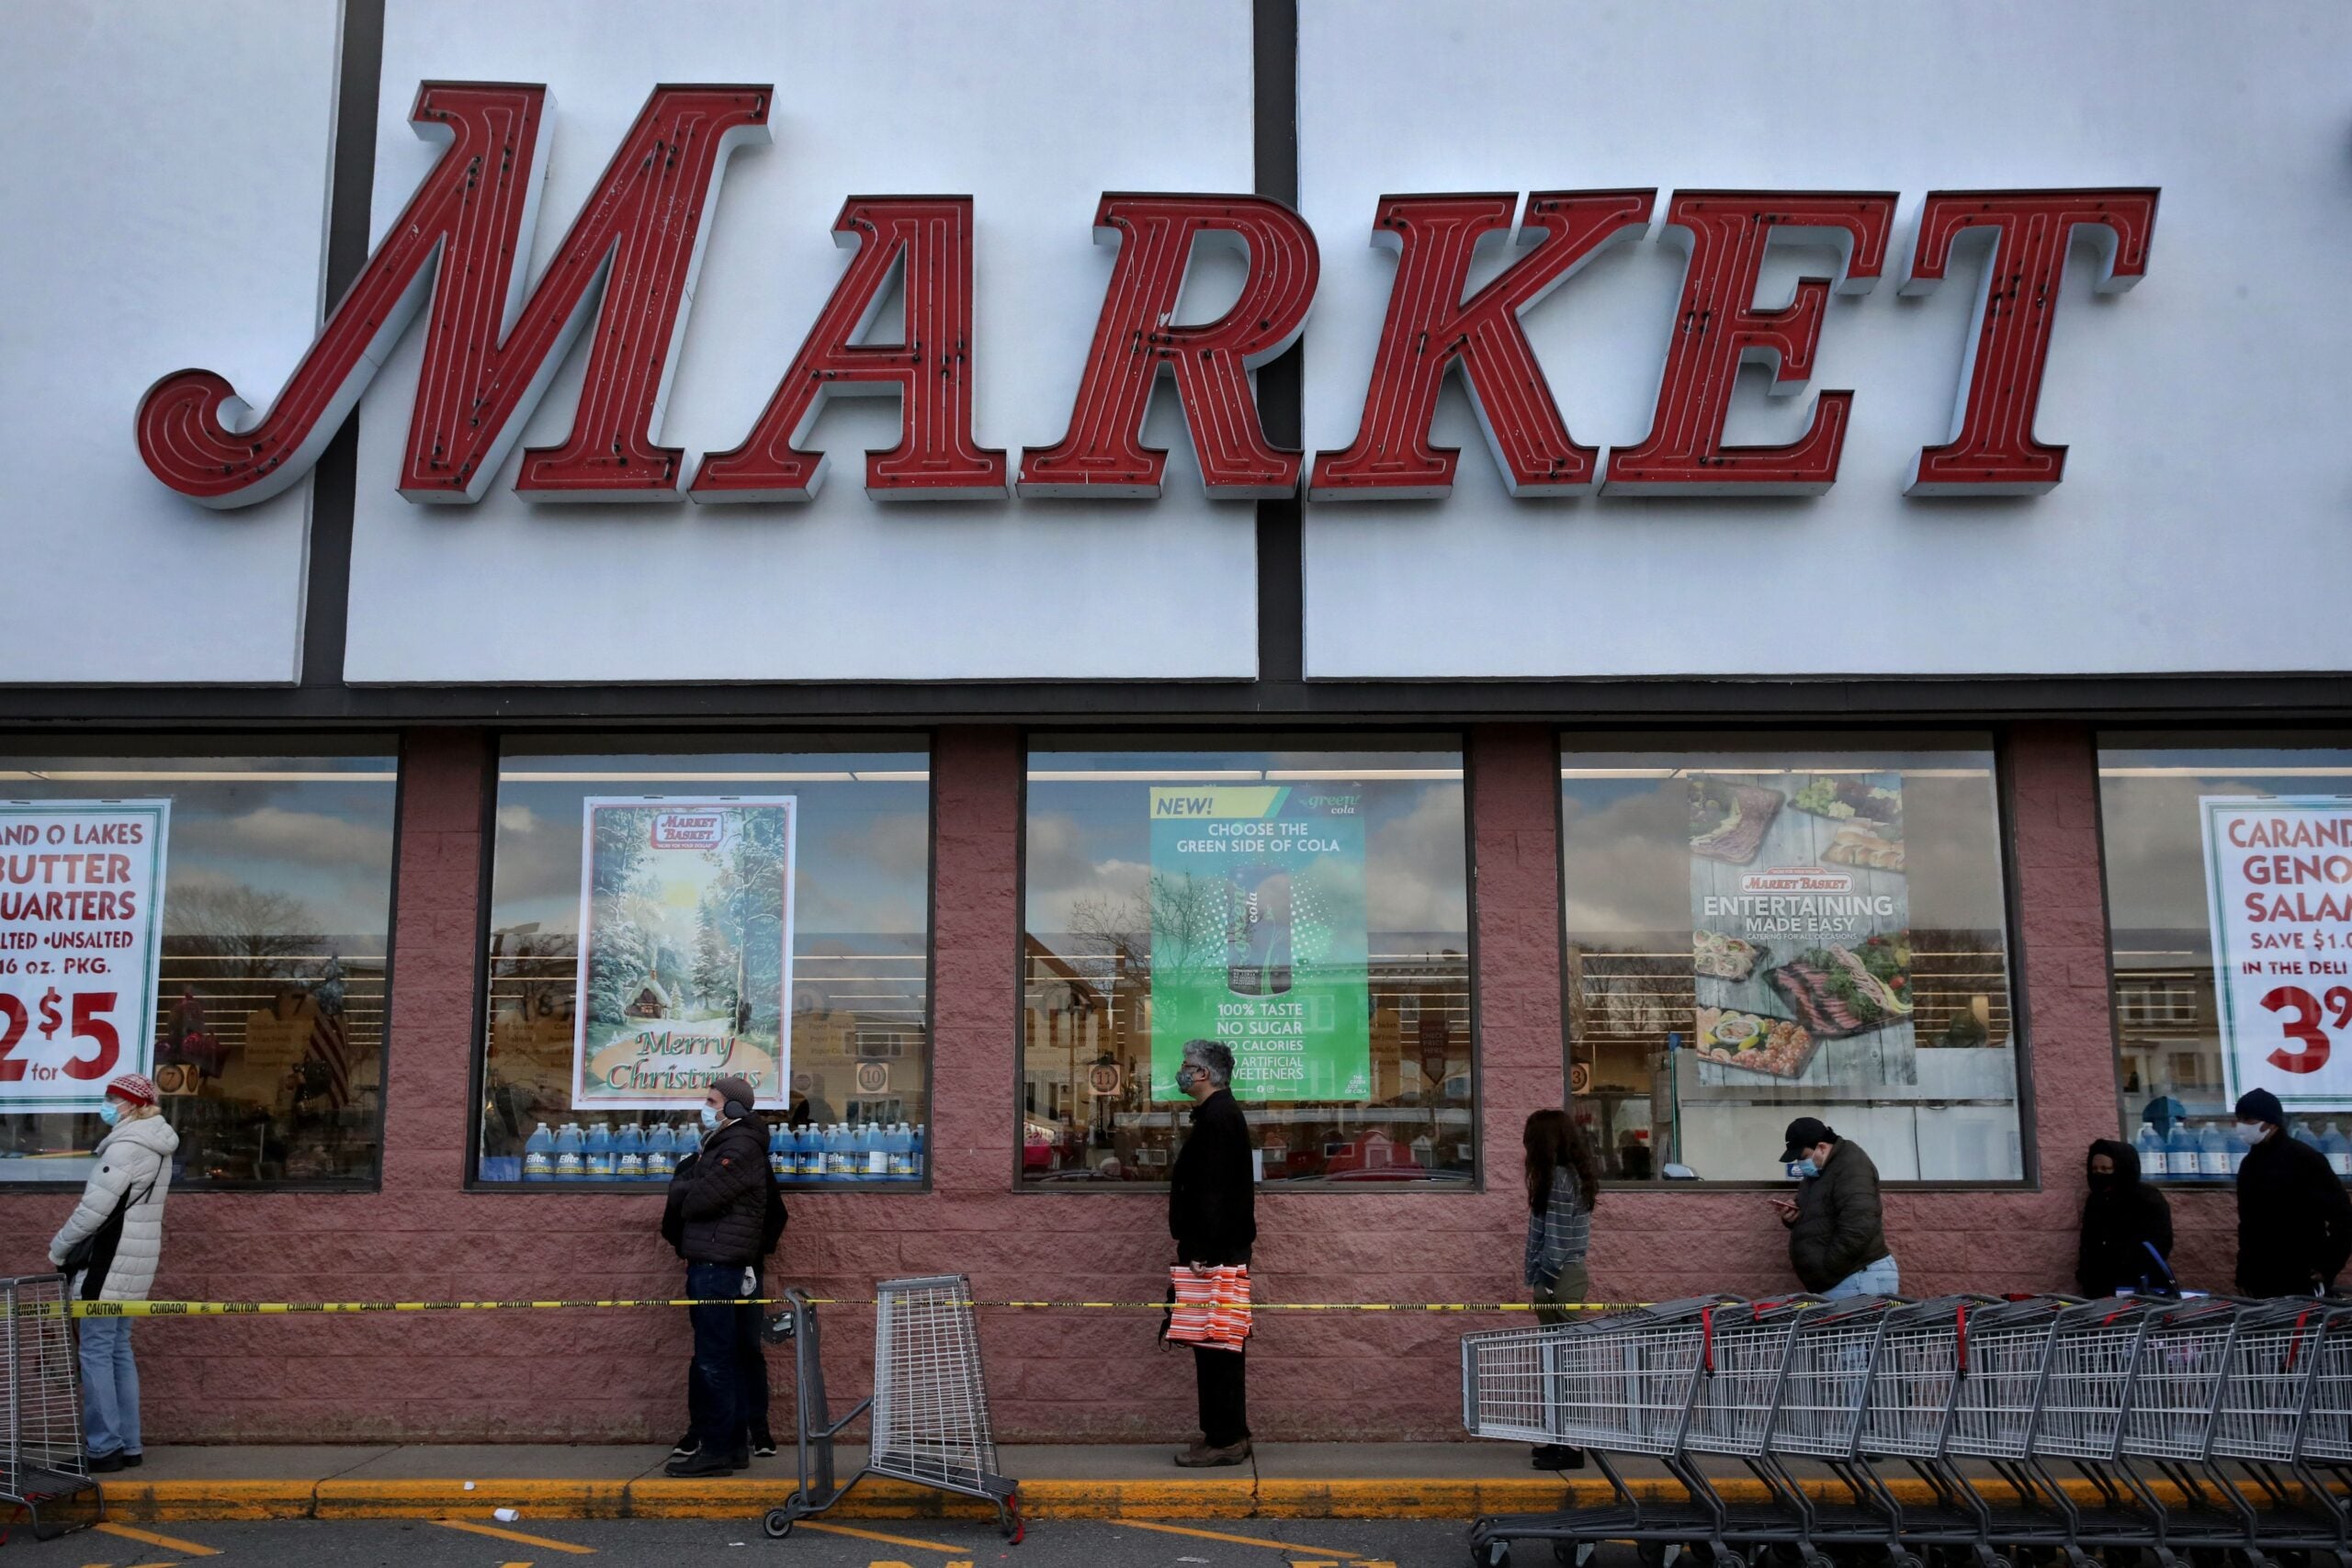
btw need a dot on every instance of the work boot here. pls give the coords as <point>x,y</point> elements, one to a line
<point>704,1463</point>
<point>1200,1456</point>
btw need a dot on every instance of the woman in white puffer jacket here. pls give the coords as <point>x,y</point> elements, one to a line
<point>121,1216</point>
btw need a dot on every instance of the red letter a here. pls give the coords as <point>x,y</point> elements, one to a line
<point>1718,327</point>
<point>488,354</point>
<point>1102,453</point>
<point>1429,329</point>
<point>929,237</point>
<point>1992,450</point>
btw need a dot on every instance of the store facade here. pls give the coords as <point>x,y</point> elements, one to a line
<point>1960,757</point>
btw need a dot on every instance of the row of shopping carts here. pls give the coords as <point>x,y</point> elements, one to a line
<point>1965,1429</point>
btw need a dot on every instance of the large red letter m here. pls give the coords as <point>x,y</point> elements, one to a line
<point>490,352</point>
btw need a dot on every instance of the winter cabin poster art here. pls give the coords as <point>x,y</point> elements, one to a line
<point>685,942</point>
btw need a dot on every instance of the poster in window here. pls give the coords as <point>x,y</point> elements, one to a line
<point>685,944</point>
<point>2278,880</point>
<point>1259,938</point>
<point>1801,941</point>
<point>81,913</point>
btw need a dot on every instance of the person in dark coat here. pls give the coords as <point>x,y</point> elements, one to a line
<point>717,1218</point>
<point>1213,1216</point>
<point>1837,1229</point>
<point>2127,1227</point>
<point>2294,1220</point>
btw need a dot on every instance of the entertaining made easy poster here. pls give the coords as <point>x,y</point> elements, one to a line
<point>685,950</point>
<point>1801,914</point>
<point>81,919</point>
<point>1259,938</point>
<point>2278,880</point>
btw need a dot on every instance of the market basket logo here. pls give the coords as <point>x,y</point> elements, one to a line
<point>629,261</point>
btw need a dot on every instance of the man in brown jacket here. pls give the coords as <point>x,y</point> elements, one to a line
<point>1837,1230</point>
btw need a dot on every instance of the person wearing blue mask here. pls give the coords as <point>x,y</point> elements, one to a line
<point>109,1247</point>
<point>1837,1227</point>
<point>718,1218</point>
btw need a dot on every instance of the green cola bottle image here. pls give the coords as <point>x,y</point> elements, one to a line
<point>1258,934</point>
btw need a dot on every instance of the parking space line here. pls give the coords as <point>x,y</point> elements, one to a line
<point>495,1533</point>
<point>885,1539</point>
<point>169,1543</point>
<point>1239,1540</point>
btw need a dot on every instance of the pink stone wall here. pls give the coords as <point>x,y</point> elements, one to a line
<point>616,1376</point>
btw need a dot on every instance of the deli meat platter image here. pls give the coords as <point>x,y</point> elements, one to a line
<point>1800,950</point>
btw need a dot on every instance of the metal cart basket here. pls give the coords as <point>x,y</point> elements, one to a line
<point>930,1406</point>
<point>44,1469</point>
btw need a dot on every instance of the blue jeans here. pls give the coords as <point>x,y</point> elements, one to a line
<point>109,1387</point>
<point>718,1402</point>
<point>1879,1279</point>
<point>751,1366</point>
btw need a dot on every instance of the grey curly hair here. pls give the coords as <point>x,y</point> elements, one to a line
<point>1211,1057</point>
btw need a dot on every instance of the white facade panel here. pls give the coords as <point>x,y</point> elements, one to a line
<point>166,189</point>
<point>1032,109</point>
<point>2201,524</point>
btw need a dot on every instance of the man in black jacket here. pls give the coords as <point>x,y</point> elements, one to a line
<point>1212,1214</point>
<point>719,1202</point>
<point>2294,1220</point>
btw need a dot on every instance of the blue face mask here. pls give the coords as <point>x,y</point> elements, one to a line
<point>709,1120</point>
<point>1804,1169</point>
<point>109,1113</point>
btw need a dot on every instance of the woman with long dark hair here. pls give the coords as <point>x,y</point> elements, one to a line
<point>1563,1184</point>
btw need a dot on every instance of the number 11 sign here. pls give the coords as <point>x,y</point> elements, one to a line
<point>2278,878</point>
<point>81,919</point>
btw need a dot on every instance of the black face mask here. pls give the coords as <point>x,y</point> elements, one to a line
<point>2104,1183</point>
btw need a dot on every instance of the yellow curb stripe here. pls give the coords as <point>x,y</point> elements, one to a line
<point>1237,1539</point>
<point>885,1539</point>
<point>184,1548</point>
<point>518,1536</point>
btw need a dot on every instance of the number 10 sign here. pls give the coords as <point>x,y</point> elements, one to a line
<point>81,919</point>
<point>2278,878</point>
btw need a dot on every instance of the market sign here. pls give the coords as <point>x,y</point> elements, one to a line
<point>629,264</point>
<point>2278,881</point>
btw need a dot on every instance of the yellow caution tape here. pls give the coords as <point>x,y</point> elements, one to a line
<point>292,1309</point>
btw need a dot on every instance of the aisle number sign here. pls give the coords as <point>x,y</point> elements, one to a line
<point>2278,878</point>
<point>81,922</point>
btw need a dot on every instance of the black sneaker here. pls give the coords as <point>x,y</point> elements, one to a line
<point>739,1460</point>
<point>700,1464</point>
<point>105,1464</point>
<point>685,1447</point>
<point>131,1461</point>
<point>763,1445</point>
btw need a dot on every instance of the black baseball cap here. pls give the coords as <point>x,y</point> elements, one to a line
<point>1803,1133</point>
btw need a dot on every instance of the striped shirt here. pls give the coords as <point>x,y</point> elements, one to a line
<point>1559,1235</point>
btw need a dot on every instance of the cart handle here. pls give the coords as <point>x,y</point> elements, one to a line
<point>1707,1340</point>
<point>1960,1365</point>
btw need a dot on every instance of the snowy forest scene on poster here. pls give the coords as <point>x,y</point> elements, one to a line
<point>685,920</point>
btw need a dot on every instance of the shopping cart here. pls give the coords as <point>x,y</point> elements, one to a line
<point>42,1467</point>
<point>1907,1417</point>
<point>1624,1383</point>
<point>1825,1395</point>
<point>2322,1460</point>
<point>2094,1360</point>
<point>930,1408</point>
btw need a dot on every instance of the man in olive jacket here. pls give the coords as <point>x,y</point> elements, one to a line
<point>1837,1232</point>
<point>1213,1216</point>
<point>718,1209</point>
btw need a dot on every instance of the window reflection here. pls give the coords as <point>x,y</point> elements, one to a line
<point>269,1028</point>
<point>1756,934</point>
<point>1309,906</point>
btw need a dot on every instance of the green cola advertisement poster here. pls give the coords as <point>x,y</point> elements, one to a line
<point>1258,938</point>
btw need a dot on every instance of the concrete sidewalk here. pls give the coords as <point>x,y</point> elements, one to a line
<point>595,1480</point>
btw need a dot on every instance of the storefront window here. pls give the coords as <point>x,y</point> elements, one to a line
<point>754,908</point>
<point>1803,926</point>
<point>1305,903</point>
<point>2229,896</point>
<point>251,991</point>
